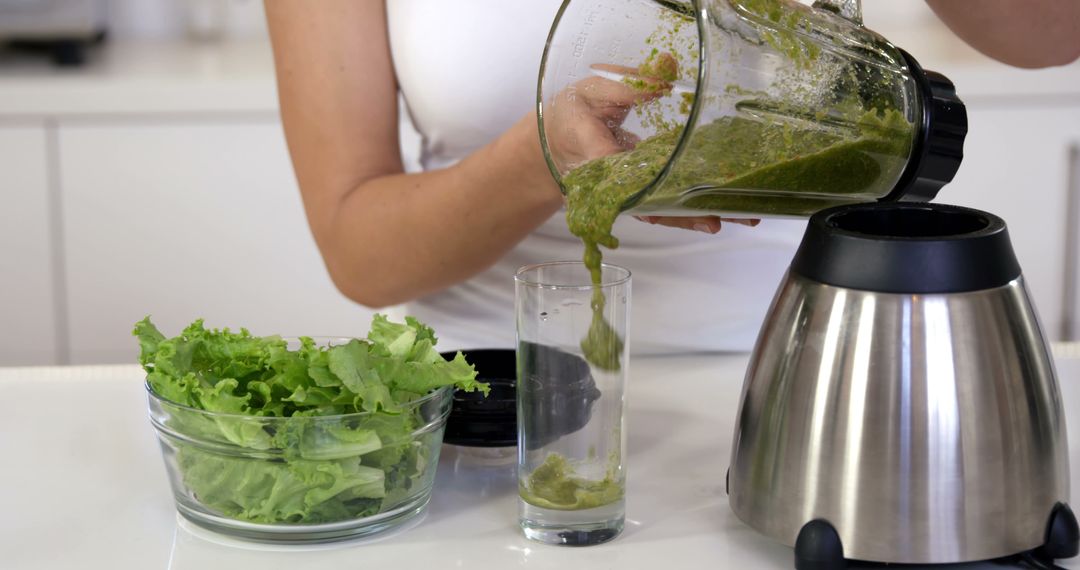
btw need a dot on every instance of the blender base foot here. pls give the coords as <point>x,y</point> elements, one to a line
<point>1062,535</point>
<point>818,547</point>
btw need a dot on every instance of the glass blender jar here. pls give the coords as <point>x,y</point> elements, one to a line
<point>739,108</point>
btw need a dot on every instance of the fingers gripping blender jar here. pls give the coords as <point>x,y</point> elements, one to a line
<point>737,108</point>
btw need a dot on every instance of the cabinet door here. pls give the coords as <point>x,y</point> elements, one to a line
<point>1016,165</point>
<point>27,315</point>
<point>181,221</point>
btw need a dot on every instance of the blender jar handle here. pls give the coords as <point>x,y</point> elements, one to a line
<point>849,9</point>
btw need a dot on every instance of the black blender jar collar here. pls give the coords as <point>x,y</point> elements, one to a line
<point>938,147</point>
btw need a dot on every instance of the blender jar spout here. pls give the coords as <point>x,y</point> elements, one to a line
<point>848,9</point>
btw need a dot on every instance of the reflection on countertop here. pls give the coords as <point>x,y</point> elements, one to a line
<point>468,478</point>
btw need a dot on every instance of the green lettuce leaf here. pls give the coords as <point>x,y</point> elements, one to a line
<point>394,339</point>
<point>351,363</point>
<point>297,491</point>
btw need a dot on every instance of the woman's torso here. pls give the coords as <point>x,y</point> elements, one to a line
<point>468,71</point>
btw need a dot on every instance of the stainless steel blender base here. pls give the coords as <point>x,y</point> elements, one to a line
<point>916,425</point>
<point>902,394</point>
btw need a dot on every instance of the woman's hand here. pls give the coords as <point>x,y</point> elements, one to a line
<point>584,122</point>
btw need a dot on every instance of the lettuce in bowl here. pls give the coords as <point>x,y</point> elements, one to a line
<point>272,431</point>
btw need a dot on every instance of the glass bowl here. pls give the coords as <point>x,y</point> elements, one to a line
<point>301,479</point>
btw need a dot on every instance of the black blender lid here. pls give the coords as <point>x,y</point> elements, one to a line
<point>563,391</point>
<point>479,421</point>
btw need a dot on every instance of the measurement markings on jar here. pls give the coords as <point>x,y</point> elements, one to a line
<point>581,41</point>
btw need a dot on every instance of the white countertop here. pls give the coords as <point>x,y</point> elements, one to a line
<point>82,485</point>
<point>184,77</point>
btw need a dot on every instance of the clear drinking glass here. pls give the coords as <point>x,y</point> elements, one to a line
<point>571,431</point>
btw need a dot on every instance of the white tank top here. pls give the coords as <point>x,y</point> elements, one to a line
<point>467,70</point>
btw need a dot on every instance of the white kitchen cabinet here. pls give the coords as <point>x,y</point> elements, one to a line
<point>181,220</point>
<point>28,315</point>
<point>1016,165</point>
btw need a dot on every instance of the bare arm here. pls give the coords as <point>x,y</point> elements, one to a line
<point>1024,33</point>
<point>387,237</point>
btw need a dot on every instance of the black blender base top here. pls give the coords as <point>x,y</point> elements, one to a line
<point>907,248</point>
